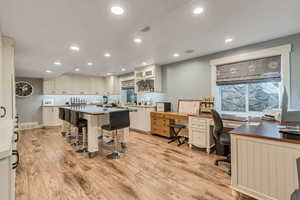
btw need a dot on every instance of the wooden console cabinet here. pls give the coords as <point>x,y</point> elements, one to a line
<point>160,122</point>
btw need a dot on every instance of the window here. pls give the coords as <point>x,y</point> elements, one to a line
<point>250,97</point>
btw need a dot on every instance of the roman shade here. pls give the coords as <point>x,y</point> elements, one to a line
<point>262,69</point>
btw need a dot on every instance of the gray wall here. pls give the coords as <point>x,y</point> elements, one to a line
<point>191,78</point>
<point>29,108</point>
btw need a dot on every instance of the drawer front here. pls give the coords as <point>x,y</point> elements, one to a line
<point>198,137</point>
<point>161,131</point>
<point>197,120</point>
<point>157,115</point>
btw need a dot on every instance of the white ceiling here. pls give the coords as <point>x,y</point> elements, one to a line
<point>44,30</point>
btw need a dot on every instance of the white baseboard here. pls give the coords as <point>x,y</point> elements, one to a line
<point>30,125</point>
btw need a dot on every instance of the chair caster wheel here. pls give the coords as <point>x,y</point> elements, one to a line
<point>92,154</point>
<point>216,163</point>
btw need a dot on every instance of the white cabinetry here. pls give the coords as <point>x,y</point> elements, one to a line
<point>7,115</point>
<point>199,133</point>
<point>141,120</point>
<point>51,116</point>
<point>148,79</point>
<point>8,77</point>
<point>49,86</point>
<point>112,85</point>
<point>74,84</point>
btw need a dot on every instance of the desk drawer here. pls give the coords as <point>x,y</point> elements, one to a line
<point>198,120</point>
<point>157,115</point>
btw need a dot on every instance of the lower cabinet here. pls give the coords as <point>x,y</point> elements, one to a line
<point>51,116</point>
<point>140,120</point>
<point>9,160</point>
<point>160,125</point>
<point>199,133</point>
<point>6,178</point>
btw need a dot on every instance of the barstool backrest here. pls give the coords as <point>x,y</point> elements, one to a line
<point>68,115</point>
<point>61,113</point>
<point>119,119</point>
<point>74,118</point>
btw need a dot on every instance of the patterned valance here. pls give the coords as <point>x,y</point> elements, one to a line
<point>250,71</point>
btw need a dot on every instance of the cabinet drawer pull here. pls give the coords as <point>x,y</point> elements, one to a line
<point>15,153</point>
<point>4,112</point>
<point>16,133</point>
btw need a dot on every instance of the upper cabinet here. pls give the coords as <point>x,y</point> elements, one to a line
<point>7,73</point>
<point>112,85</point>
<point>148,79</point>
<point>74,84</point>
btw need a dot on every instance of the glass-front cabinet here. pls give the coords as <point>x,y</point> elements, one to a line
<point>148,79</point>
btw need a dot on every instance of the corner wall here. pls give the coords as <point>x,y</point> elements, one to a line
<point>29,108</point>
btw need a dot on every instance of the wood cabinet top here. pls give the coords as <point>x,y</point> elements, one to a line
<point>266,130</point>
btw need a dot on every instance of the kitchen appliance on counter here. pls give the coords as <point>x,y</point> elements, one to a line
<point>163,107</point>
<point>48,102</point>
<point>105,100</point>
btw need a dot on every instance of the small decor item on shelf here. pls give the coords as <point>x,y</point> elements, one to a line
<point>23,89</point>
<point>207,104</point>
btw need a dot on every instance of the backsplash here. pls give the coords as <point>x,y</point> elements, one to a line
<point>146,97</point>
<point>62,99</point>
<point>151,97</point>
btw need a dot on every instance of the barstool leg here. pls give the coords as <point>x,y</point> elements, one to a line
<point>115,154</point>
<point>84,142</point>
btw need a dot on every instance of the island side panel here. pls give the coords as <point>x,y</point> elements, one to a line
<point>264,169</point>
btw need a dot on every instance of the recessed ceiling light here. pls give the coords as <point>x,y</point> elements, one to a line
<point>138,40</point>
<point>107,55</point>
<point>90,64</point>
<point>77,69</point>
<point>74,48</point>
<point>176,55</point>
<point>198,10</point>
<point>144,63</point>
<point>228,40</point>
<point>57,63</point>
<point>117,10</point>
<point>48,71</point>
<point>123,69</point>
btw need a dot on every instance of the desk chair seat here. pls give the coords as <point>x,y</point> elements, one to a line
<point>117,120</point>
<point>221,137</point>
<point>176,130</point>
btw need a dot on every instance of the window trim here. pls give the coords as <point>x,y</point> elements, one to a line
<point>284,51</point>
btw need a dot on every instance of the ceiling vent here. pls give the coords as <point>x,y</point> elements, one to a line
<point>146,29</point>
<point>189,51</point>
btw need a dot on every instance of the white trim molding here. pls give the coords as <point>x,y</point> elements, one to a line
<point>283,51</point>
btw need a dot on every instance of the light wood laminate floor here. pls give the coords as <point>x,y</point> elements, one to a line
<point>152,170</point>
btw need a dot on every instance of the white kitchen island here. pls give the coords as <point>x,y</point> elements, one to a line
<point>97,116</point>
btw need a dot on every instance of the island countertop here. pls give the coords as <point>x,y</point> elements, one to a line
<point>266,130</point>
<point>95,110</point>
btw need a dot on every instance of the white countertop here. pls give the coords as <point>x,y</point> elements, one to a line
<point>6,137</point>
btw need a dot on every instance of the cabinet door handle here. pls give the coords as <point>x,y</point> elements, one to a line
<point>17,133</point>
<point>15,153</point>
<point>4,112</point>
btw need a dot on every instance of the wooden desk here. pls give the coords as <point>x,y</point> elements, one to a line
<point>160,122</point>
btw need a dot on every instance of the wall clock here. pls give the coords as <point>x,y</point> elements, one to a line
<point>23,89</point>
